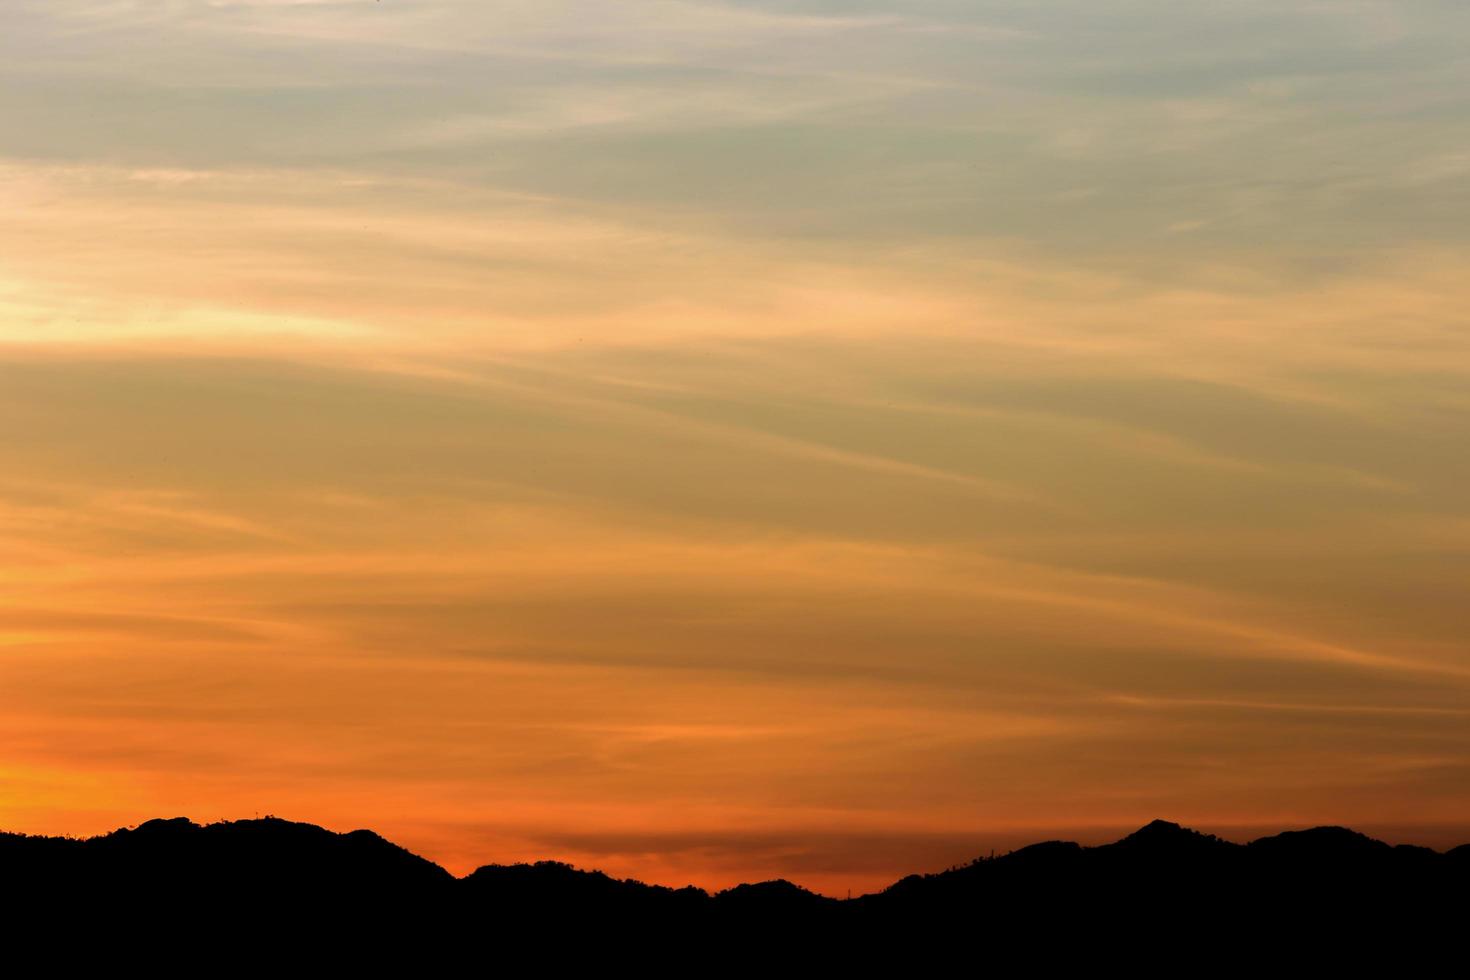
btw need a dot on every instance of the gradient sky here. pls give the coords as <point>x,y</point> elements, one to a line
<point>718,441</point>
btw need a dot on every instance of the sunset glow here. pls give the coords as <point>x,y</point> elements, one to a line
<point>720,441</point>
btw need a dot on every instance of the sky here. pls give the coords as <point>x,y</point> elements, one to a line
<point>723,441</point>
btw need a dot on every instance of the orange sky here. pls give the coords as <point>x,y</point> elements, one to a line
<point>712,442</point>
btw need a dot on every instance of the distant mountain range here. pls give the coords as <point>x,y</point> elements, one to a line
<point>1162,891</point>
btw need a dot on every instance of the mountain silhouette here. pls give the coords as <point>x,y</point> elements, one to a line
<point>1157,894</point>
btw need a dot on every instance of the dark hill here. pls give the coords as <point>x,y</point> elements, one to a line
<point>177,861</point>
<point>1163,891</point>
<point>550,888</point>
<point>1163,837</point>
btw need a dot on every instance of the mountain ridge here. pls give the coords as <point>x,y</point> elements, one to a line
<point>271,888</point>
<point>1157,836</point>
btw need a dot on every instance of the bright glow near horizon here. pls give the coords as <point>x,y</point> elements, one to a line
<point>719,441</point>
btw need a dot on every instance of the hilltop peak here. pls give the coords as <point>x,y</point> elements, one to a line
<point>1321,842</point>
<point>1166,833</point>
<point>163,825</point>
<point>775,894</point>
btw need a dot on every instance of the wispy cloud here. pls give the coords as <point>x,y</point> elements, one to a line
<point>670,435</point>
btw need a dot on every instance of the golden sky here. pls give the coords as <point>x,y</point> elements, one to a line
<point>720,441</point>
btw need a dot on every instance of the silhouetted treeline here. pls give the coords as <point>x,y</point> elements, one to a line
<point>261,889</point>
